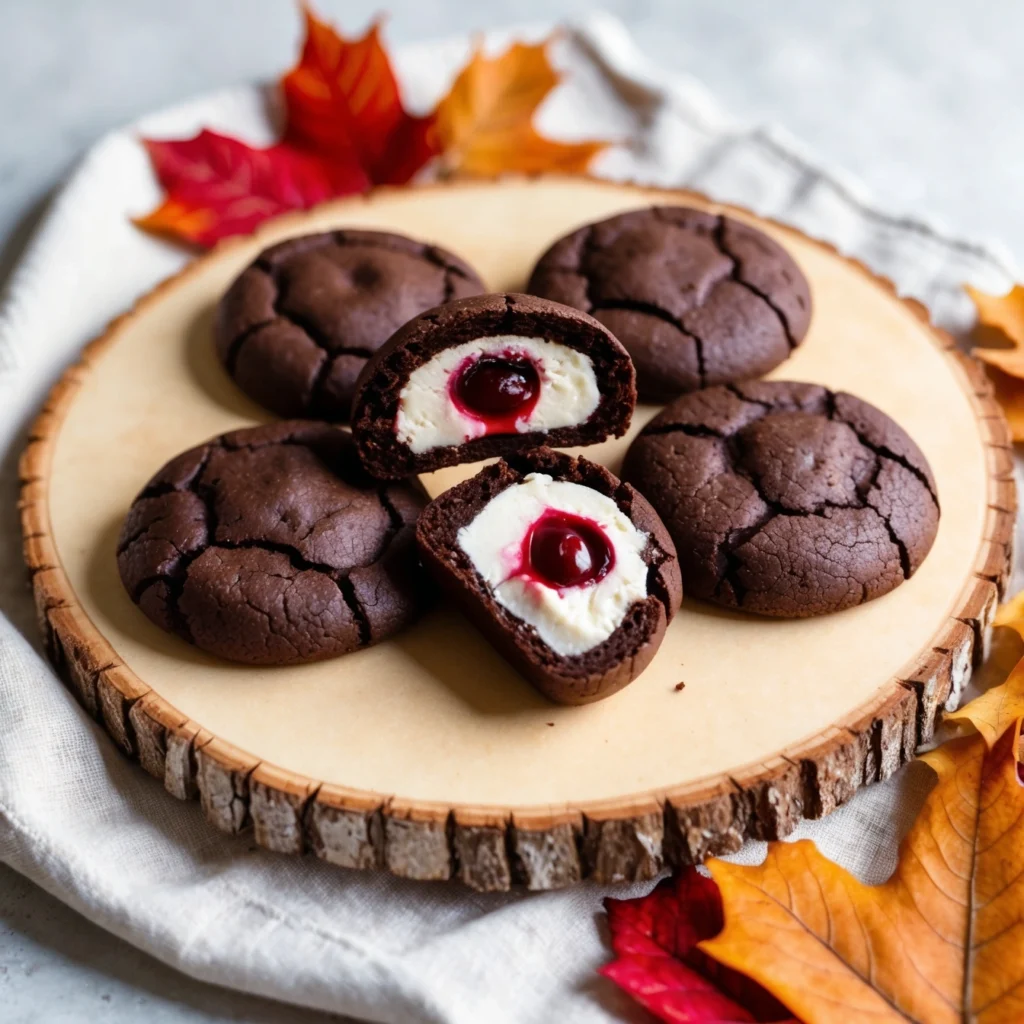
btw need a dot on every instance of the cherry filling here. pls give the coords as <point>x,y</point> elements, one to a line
<point>565,550</point>
<point>498,390</point>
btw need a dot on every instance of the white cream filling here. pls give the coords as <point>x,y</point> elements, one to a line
<point>428,418</point>
<point>575,619</point>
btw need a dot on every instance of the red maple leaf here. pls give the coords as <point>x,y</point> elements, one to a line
<point>655,940</point>
<point>217,186</point>
<point>346,130</point>
<point>342,100</point>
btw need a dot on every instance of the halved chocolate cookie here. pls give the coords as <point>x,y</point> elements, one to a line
<point>486,376</point>
<point>296,328</point>
<point>696,298</point>
<point>271,546</point>
<point>569,573</point>
<point>786,499</point>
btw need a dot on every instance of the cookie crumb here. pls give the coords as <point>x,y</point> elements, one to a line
<point>678,687</point>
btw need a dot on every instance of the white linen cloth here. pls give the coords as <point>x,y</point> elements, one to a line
<point>95,831</point>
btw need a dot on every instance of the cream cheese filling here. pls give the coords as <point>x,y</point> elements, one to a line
<point>575,619</point>
<point>428,418</point>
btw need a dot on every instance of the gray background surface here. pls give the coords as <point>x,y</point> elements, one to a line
<point>921,99</point>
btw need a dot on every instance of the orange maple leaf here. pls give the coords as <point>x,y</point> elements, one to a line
<point>1003,314</point>
<point>657,961</point>
<point>485,123</point>
<point>941,942</point>
<point>999,338</point>
<point>1009,391</point>
<point>1011,614</point>
<point>346,130</point>
<point>997,708</point>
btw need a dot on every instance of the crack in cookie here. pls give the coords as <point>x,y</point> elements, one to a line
<point>272,546</point>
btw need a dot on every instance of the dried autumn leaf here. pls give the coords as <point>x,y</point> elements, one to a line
<point>1009,393</point>
<point>1011,614</point>
<point>1000,337</point>
<point>1004,314</point>
<point>346,129</point>
<point>995,710</point>
<point>217,186</point>
<point>485,123</point>
<point>940,942</point>
<point>343,102</point>
<point>658,963</point>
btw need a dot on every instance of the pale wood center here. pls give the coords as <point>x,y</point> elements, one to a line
<point>436,715</point>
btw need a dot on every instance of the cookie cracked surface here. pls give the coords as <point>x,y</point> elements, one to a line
<point>271,546</point>
<point>786,499</point>
<point>296,328</point>
<point>697,299</point>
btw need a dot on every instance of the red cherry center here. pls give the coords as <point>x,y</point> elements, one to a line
<point>496,387</point>
<point>566,550</point>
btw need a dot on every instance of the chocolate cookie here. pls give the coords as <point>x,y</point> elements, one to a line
<point>296,328</point>
<point>568,572</point>
<point>786,499</point>
<point>487,376</point>
<point>696,298</point>
<point>271,546</point>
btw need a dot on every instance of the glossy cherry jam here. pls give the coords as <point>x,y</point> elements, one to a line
<point>565,550</point>
<point>498,390</point>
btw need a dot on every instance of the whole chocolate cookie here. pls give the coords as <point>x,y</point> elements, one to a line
<point>786,499</point>
<point>568,572</point>
<point>696,298</point>
<point>296,327</point>
<point>271,546</point>
<point>487,376</point>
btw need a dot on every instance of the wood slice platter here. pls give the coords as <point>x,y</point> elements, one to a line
<point>427,756</point>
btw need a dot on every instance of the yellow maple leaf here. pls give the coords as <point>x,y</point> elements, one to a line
<point>941,942</point>
<point>485,123</point>
<point>997,708</point>
<point>1001,704</point>
<point>176,219</point>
